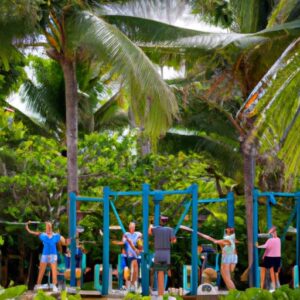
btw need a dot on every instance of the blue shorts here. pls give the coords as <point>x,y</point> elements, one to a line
<point>50,259</point>
<point>229,259</point>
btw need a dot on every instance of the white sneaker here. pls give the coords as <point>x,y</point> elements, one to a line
<point>54,288</point>
<point>38,287</point>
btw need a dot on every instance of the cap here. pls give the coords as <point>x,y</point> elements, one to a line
<point>164,218</point>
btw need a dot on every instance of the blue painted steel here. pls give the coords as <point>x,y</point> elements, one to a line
<point>296,276</point>
<point>117,216</point>
<point>105,272</point>
<point>89,199</point>
<point>194,285</point>
<point>272,199</point>
<point>230,209</point>
<point>255,239</point>
<point>276,194</point>
<point>145,255</point>
<point>212,200</point>
<point>97,285</point>
<point>186,210</point>
<point>297,197</point>
<point>157,198</point>
<point>72,234</point>
<point>175,192</point>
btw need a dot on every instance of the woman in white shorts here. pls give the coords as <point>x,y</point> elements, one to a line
<point>229,256</point>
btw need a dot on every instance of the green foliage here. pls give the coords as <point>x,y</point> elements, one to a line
<point>284,292</point>
<point>12,292</point>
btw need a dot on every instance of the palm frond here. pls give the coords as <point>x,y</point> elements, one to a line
<point>150,96</point>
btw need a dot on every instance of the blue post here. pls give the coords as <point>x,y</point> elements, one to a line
<point>145,254</point>
<point>72,233</point>
<point>269,213</point>
<point>194,239</point>
<point>105,272</point>
<point>157,198</point>
<point>230,209</point>
<point>256,279</point>
<point>297,196</point>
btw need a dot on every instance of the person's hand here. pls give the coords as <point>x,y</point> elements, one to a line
<point>256,244</point>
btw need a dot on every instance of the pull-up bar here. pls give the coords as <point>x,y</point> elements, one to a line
<point>271,200</point>
<point>157,197</point>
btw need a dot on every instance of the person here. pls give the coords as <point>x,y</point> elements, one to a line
<point>163,237</point>
<point>130,239</point>
<point>229,256</point>
<point>49,254</point>
<point>271,259</point>
<point>78,263</point>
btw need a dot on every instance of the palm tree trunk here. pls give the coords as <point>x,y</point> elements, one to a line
<point>249,176</point>
<point>68,67</point>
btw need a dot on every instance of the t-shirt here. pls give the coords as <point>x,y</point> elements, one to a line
<point>229,249</point>
<point>162,237</point>
<point>49,243</point>
<point>273,247</point>
<point>133,237</point>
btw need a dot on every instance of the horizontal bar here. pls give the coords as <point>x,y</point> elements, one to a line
<point>178,192</point>
<point>212,200</point>
<point>91,199</point>
<point>278,194</point>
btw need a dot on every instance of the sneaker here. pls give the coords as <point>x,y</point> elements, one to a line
<point>38,287</point>
<point>277,284</point>
<point>54,288</point>
<point>132,288</point>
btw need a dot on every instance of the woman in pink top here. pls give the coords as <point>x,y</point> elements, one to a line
<point>271,258</point>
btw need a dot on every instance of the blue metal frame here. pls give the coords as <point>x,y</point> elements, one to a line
<point>157,198</point>
<point>271,200</point>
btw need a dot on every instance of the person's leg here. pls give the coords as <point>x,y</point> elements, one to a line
<point>134,268</point>
<point>42,270</point>
<point>54,273</point>
<point>272,275</point>
<point>225,272</point>
<point>160,282</point>
<point>262,277</point>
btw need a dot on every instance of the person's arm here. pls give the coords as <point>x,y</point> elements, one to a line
<point>222,242</point>
<point>137,251</point>
<point>37,233</point>
<point>261,246</point>
<point>173,237</point>
<point>150,232</point>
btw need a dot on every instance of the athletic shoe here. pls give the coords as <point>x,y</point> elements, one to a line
<point>54,288</point>
<point>38,287</point>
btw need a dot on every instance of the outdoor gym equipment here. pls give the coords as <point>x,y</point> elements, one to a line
<point>109,196</point>
<point>295,214</point>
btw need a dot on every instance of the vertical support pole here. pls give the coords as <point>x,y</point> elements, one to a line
<point>194,286</point>
<point>297,196</point>
<point>230,209</point>
<point>157,198</point>
<point>145,254</point>
<point>269,213</point>
<point>73,236</point>
<point>105,272</point>
<point>256,279</point>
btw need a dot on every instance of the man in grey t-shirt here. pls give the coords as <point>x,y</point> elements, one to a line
<point>163,237</point>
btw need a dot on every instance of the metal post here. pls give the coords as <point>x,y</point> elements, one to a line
<point>255,265</point>
<point>297,196</point>
<point>157,198</point>
<point>72,232</point>
<point>194,239</point>
<point>105,272</point>
<point>230,209</point>
<point>145,254</point>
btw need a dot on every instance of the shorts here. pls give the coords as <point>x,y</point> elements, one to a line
<point>130,259</point>
<point>271,262</point>
<point>162,256</point>
<point>50,259</point>
<point>229,259</point>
